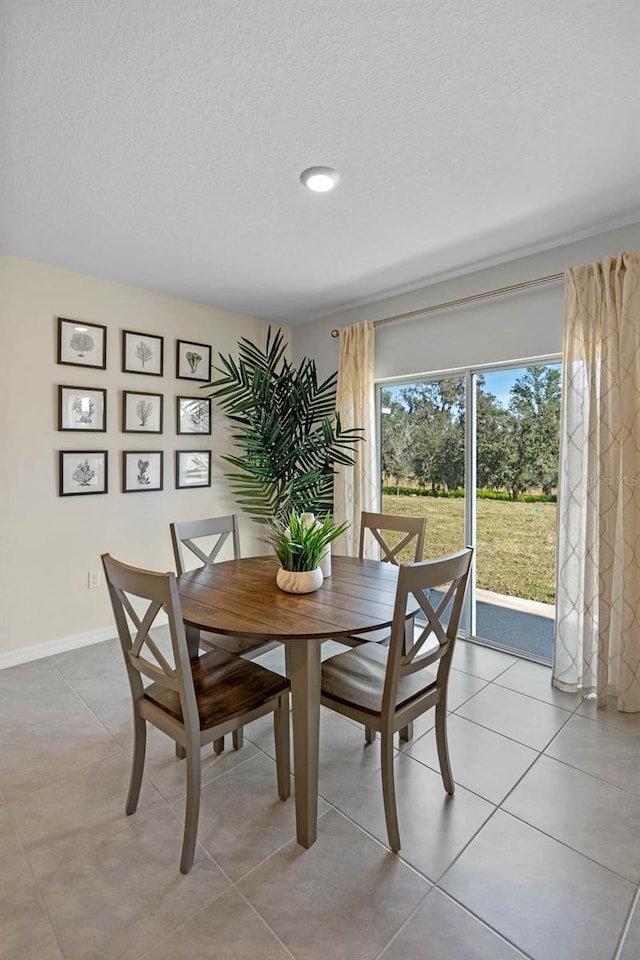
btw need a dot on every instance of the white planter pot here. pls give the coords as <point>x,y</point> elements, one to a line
<point>325,563</point>
<point>302,581</point>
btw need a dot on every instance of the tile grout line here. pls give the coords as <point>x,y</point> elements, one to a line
<point>35,883</point>
<point>496,807</point>
<point>499,933</point>
<point>435,885</point>
<point>417,907</point>
<point>331,806</point>
<point>568,846</point>
<point>626,925</point>
<point>233,885</point>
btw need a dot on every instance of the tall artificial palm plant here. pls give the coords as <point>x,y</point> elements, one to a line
<point>287,430</point>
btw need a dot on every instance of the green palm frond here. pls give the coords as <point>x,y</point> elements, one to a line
<point>286,428</point>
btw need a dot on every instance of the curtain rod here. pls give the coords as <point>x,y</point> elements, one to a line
<point>552,278</point>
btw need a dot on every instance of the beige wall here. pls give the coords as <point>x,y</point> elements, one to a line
<point>49,543</point>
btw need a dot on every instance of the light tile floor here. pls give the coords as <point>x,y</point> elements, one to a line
<point>537,855</point>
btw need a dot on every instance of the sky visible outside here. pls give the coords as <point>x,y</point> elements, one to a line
<point>497,382</point>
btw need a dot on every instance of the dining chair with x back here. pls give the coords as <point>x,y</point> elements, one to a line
<point>194,701</point>
<point>387,688</point>
<point>380,525</point>
<point>204,540</point>
<point>381,529</point>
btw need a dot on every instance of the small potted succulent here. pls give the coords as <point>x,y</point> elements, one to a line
<point>300,543</point>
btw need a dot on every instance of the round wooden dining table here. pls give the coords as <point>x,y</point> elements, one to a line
<point>240,598</point>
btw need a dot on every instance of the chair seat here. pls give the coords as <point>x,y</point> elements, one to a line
<point>236,645</point>
<point>357,677</point>
<point>374,636</point>
<point>225,686</point>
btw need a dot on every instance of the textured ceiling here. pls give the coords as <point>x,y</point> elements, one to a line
<point>159,142</point>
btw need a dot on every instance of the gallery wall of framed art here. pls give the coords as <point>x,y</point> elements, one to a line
<point>83,409</point>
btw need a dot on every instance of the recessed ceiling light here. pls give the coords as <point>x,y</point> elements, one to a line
<point>320,179</point>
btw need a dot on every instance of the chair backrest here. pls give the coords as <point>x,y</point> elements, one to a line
<point>381,523</point>
<point>142,654</point>
<point>186,533</point>
<point>436,587</point>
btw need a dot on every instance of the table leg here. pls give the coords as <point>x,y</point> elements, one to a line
<point>305,707</point>
<point>193,640</point>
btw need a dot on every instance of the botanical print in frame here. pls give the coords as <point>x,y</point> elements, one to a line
<point>141,412</point>
<point>82,344</point>
<point>82,409</point>
<point>193,415</point>
<point>193,468</point>
<point>193,361</point>
<point>142,353</point>
<point>83,472</point>
<point>142,470</point>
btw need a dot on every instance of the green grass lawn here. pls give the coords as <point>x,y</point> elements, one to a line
<point>516,541</point>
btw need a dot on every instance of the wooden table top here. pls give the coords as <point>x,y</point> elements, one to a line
<point>240,597</point>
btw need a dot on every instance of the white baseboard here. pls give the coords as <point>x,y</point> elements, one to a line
<point>39,650</point>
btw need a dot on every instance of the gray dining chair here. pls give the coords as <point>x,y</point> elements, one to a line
<point>187,539</point>
<point>387,688</point>
<point>215,531</point>
<point>193,701</point>
<point>378,527</point>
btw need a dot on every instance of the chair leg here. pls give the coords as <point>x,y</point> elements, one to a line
<point>192,808</point>
<point>443,748</point>
<point>389,793</point>
<point>218,745</point>
<point>137,763</point>
<point>369,735</point>
<point>281,736</point>
<point>406,733</point>
<point>238,738</point>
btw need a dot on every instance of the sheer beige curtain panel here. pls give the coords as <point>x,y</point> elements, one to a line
<point>356,487</point>
<point>597,648</point>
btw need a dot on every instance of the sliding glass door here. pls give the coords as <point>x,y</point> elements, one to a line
<point>422,443</point>
<point>477,454</point>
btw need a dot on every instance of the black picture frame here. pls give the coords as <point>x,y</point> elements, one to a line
<point>193,361</point>
<point>142,471</point>
<point>82,409</point>
<point>193,416</point>
<point>137,419</point>
<point>82,344</point>
<point>193,469</point>
<point>140,349</point>
<point>83,472</point>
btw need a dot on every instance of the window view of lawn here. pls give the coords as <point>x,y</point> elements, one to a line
<point>517,541</point>
<point>517,430</point>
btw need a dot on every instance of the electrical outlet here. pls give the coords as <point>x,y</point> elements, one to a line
<point>93,579</point>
